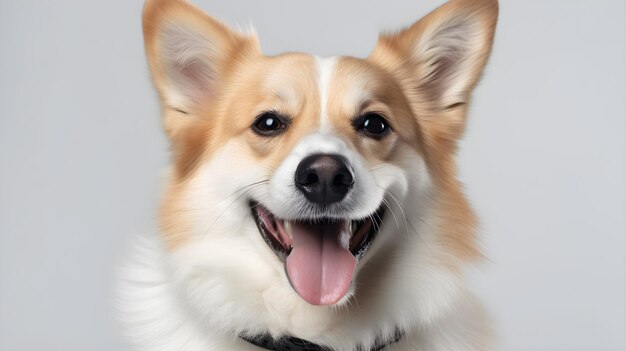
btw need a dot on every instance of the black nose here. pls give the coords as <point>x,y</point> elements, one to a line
<point>324,179</point>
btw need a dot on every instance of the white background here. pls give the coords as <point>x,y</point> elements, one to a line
<point>81,153</point>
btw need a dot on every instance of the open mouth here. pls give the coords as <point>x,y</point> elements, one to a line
<point>320,255</point>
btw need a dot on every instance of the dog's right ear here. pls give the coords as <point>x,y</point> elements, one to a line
<point>188,53</point>
<point>439,60</point>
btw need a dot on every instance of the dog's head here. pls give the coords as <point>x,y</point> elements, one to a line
<point>300,181</point>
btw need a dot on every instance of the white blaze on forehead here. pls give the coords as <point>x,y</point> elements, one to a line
<point>325,68</point>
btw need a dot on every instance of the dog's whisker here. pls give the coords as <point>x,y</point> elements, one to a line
<point>409,224</point>
<point>397,201</point>
<point>240,193</point>
<point>390,209</point>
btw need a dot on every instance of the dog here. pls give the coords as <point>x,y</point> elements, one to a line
<point>311,203</point>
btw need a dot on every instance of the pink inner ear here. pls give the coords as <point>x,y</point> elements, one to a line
<point>189,60</point>
<point>195,80</point>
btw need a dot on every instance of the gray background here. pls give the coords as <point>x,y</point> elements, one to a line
<point>82,153</point>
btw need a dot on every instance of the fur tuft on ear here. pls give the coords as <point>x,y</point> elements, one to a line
<point>439,59</point>
<point>188,52</point>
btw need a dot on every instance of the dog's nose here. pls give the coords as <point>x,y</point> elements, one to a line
<point>324,179</point>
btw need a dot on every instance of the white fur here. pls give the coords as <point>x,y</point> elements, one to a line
<point>325,67</point>
<point>226,281</point>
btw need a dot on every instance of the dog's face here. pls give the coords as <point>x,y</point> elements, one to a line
<point>300,181</point>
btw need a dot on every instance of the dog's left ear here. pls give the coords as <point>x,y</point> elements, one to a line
<point>438,61</point>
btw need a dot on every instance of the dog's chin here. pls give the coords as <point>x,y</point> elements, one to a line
<point>320,255</point>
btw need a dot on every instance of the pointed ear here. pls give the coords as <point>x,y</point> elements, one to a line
<point>440,58</point>
<point>188,53</point>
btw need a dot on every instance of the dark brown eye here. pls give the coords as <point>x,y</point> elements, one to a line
<point>372,125</point>
<point>269,124</point>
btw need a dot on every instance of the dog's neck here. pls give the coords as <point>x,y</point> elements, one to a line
<point>289,343</point>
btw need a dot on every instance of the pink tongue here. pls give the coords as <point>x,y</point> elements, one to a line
<point>320,270</point>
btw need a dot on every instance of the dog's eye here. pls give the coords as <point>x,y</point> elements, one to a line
<point>269,124</point>
<point>372,125</point>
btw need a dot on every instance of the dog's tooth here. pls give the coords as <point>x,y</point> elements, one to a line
<point>354,226</point>
<point>288,229</point>
<point>345,235</point>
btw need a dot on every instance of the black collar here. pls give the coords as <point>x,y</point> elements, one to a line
<point>290,343</point>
